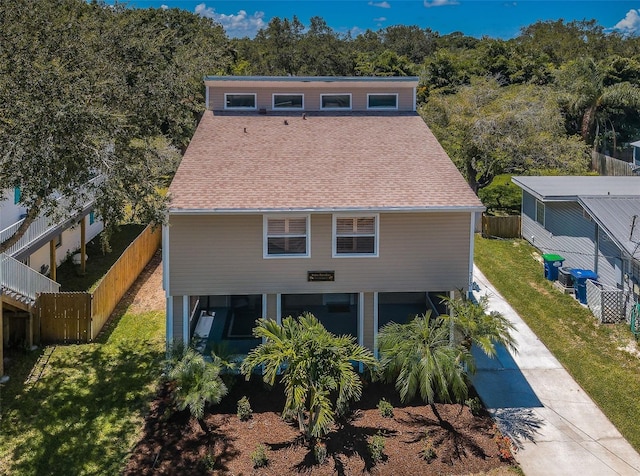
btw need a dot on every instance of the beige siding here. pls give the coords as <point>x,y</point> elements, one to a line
<point>312,96</point>
<point>223,255</point>
<point>368,328</point>
<point>177,319</point>
<point>272,306</point>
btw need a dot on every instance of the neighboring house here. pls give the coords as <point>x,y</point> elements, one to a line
<point>319,194</point>
<point>636,152</point>
<point>592,221</point>
<point>24,265</point>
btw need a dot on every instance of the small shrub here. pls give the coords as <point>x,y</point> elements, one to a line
<point>475,405</point>
<point>259,456</point>
<point>428,452</point>
<point>244,409</point>
<point>209,461</point>
<point>505,445</point>
<point>385,408</point>
<point>320,453</point>
<point>376,448</point>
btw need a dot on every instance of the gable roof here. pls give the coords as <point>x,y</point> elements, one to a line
<point>569,187</point>
<point>616,216</point>
<point>284,162</point>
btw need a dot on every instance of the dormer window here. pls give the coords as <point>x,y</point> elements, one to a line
<point>240,101</point>
<point>382,101</point>
<point>335,101</point>
<point>288,101</point>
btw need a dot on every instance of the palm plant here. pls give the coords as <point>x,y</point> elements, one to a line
<point>588,92</point>
<point>420,358</point>
<point>198,382</point>
<point>472,324</point>
<point>317,369</point>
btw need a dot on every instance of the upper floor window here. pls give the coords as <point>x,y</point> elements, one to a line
<point>540,210</point>
<point>240,101</point>
<point>355,235</point>
<point>382,101</point>
<point>335,101</point>
<point>17,193</point>
<point>286,236</point>
<point>288,101</point>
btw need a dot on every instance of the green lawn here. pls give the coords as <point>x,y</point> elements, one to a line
<point>590,352</point>
<point>85,411</point>
<point>98,262</point>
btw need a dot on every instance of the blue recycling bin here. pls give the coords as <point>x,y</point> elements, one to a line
<point>551,264</point>
<point>580,277</point>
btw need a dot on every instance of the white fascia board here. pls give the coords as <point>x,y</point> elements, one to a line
<point>247,211</point>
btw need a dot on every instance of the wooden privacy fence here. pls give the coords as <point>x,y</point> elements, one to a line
<point>501,227</point>
<point>79,317</point>
<point>605,165</point>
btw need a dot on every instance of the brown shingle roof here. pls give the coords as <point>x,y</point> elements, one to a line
<point>325,162</point>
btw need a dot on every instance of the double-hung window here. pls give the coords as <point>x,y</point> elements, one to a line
<point>355,235</point>
<point>286,236</point>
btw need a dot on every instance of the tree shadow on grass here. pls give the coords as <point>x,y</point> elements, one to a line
<point>80,416</point>
<point>123,305</point>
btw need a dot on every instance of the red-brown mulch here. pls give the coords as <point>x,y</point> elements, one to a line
<point>175,444</point>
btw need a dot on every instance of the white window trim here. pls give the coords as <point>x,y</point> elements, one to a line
<point>544,213</point>
<point>255,102</point>
<point>273,102</point>
<point>337,108</point>
<point>265,243</point>
<point>383,108</point>
<point>334,236</point>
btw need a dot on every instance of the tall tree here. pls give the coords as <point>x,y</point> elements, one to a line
<point>487,130</point>
<point>92,90</point>
<point>591,92</point>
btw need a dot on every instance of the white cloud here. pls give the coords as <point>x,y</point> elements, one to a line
<point>630,24</point>
<point>379,19</point>
<point>238,25</point>
<point>439,3</point>
<point>380,4</point>
<point>164,7</point>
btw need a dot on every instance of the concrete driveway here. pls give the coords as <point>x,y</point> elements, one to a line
<point>557,428</point>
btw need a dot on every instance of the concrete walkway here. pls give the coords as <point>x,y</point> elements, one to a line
<point>558,429</point>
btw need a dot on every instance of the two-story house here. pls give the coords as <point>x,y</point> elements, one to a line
<point>28,267</point>
<point>320,194</point>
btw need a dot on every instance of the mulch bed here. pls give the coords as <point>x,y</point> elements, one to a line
<point>175,444</point>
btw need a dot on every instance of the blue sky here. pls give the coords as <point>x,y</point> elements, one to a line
<point>493,18</point>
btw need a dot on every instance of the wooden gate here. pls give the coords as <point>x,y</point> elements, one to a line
<point>65,317</point>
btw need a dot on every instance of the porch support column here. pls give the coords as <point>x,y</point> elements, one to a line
<point>1,341</point>
<point>83,245</point>
<point>375,324</point>
<point>186,329</point>
<point>30,330</point>
<point>52,259</point>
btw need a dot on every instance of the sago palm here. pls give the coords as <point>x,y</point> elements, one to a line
<point>420,358</point>
<point>317,369</point>
<point>198,382</point>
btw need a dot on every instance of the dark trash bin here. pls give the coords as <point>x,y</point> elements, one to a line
<point>580,277</point>
<point>551,264</point>
<point>564,276</point>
